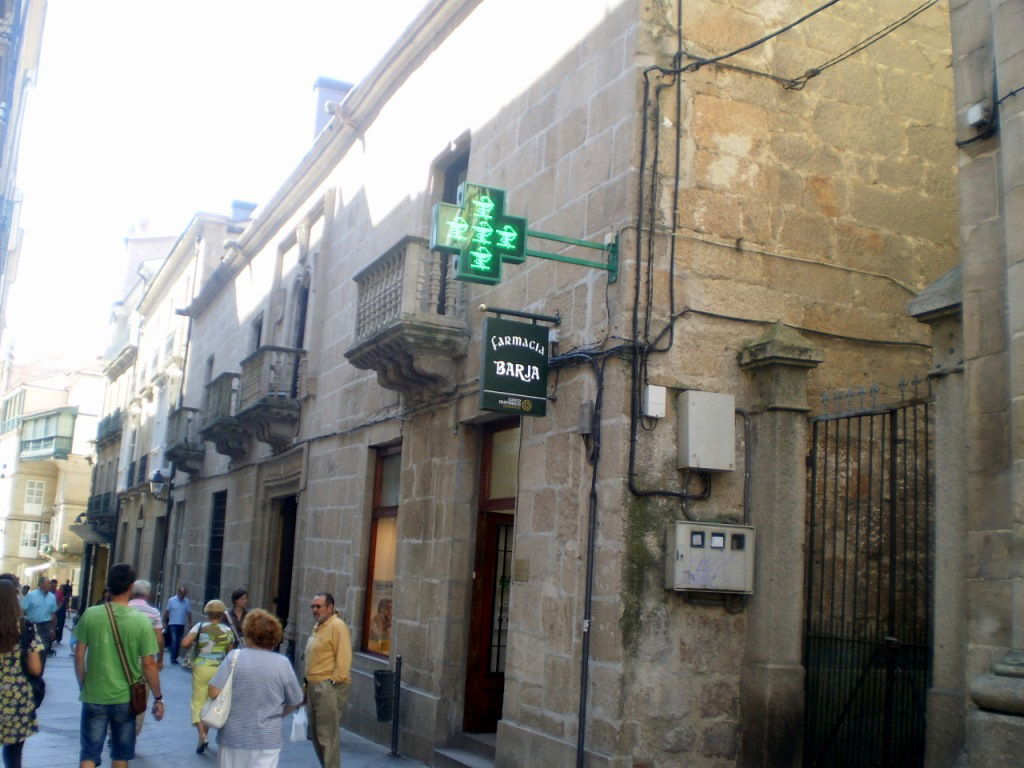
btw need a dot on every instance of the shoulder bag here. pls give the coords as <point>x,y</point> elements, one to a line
<point>189,659</point>
<point>36,682</point>
<point>236,627</point>
<point>215,711</point>
<point>136,689</point>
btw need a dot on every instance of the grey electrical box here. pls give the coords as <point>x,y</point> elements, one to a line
<point>709,557</point>
<point>706,431</point>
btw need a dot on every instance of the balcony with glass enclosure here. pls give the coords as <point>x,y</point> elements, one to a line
<point>47,436</point>
<point>409,320</point>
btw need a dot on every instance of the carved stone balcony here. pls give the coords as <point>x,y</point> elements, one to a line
<point>270,390</point>
<point>409,320</point>
<point>219,424</point>
<point>184,445</point>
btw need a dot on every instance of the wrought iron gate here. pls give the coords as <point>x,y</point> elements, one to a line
<point>867,651</point>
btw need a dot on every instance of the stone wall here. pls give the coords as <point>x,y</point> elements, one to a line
<point>824,208</point>
<point>987,57</point>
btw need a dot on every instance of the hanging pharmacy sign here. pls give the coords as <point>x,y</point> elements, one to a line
<point>514,367</point>
<point>479,232</point>
<point>483,237</point>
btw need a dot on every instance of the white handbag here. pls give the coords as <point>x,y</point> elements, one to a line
<point>215,711</point>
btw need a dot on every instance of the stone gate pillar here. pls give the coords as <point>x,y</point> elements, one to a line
<point>940,307</point>
<point>772,680</point>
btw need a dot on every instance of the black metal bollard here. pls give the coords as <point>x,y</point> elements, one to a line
<point>398,696</point>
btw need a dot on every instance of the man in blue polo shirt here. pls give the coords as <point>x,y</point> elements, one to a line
<point>177,616</point>
<point>40,607</point>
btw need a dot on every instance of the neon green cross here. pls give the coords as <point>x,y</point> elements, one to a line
<point>479,232</point>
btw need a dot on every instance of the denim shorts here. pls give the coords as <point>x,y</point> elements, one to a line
<point>95,719</point>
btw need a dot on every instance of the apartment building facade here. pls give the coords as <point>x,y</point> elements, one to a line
<point>129,511</point>
<point>737,237</point>
<point>45,454</point>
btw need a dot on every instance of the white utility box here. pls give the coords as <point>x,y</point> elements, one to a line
<point>654,401</point>
<point>706,431</point>
<point>709,557</point>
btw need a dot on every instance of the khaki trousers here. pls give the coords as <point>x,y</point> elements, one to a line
<point>326,706</point>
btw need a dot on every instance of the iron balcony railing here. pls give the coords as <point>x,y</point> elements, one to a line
<point>101,505</point>
<point>409,279</point>
<point>110,425</point>
<point>271,372</point>
<point>142,470</point>
<point>101,513</point>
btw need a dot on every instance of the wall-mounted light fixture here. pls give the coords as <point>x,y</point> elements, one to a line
<point>158,485</point>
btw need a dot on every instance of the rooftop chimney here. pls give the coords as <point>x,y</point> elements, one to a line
<point>241,210</point>
<point>324,90</point>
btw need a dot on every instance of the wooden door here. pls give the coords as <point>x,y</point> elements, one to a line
<point>492,579</point>
<point>284,560</point>
<point>485,673</point>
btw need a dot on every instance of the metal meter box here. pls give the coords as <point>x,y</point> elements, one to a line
<point>706,430</point>
<point>709,557</point>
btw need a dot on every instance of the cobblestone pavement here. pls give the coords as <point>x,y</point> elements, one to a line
<point>171,742</point>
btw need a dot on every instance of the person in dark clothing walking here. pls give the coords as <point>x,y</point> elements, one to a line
<point>63,595</point>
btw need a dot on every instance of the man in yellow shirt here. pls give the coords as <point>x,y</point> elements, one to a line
<point>328,674</point>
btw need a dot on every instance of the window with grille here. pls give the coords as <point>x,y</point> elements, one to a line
<point>215,554</point>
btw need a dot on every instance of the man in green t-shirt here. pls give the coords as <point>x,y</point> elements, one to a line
<point>104,686</point>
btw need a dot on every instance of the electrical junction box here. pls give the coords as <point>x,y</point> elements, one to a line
<point>706,431</point>
<point>709,557</point>
<point>654,401</point>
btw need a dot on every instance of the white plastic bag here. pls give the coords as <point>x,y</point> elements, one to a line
<point>300,724</point>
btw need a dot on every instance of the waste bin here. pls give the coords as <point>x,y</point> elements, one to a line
<point>383,693</point>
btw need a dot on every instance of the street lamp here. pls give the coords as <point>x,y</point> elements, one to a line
<point>157,485</point>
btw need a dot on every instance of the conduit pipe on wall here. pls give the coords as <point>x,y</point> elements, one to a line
<point>747,463</point>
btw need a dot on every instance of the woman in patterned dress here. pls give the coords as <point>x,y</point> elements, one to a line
<point>17,708</point>
<point>214,638</point>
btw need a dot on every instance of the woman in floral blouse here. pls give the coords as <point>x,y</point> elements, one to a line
<point>17,708</point>
<point>213,639</point>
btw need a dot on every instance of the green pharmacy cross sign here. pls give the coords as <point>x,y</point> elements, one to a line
<point>483,236</point>
<point>479,232</point>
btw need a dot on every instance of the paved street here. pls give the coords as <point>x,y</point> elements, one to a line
<point>171,742</point>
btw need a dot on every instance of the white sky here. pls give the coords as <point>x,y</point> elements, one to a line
<point>153,110</point>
